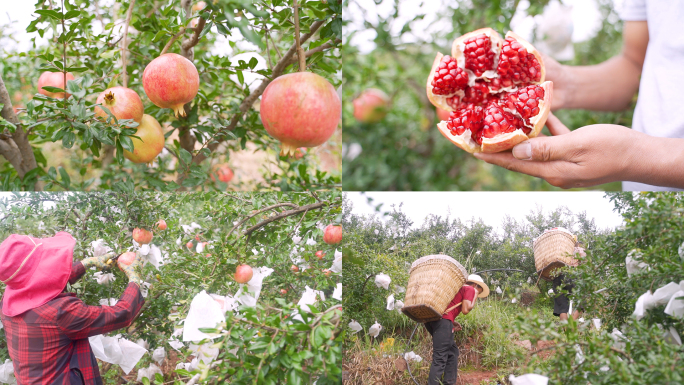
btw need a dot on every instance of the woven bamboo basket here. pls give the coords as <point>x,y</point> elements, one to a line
<point>433,282</point>
<point>552,250</point>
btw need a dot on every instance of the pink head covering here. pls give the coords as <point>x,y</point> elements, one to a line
<point>35,270</point>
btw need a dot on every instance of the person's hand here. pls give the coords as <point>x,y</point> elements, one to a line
<point>457,327</point>
<point>588,156</point>
<point>133,270</point>
<point>557,73</point>
<point>99,262</point>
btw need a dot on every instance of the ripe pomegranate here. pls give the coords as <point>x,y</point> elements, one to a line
<point>122,102</point>
<point>327,272</point>
<point>494,89</point>
<point>197,237</point>
<point>170,81</point>
<point>199,6</point>
<point>53,79</point>
<point>243,274</point>
<point>150,144</point>
<point>283,291</point>
<point>320,254</point>
<point>371,106</point>
<point>189,245</point>
<point>294,268</point>
<point>300,152</point>
<point>125,259</point>
<point>161,224</point>
<point>300,110</point>
<point>332,234</point>
<point>142,236</point>
<point>223,172</point>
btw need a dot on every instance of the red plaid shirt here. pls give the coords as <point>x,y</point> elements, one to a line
<point>49,344</point>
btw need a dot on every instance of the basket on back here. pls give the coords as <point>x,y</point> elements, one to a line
<point>553,249</point>
<point>433,282</point>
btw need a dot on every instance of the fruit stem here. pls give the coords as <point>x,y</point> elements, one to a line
<point>124,45</point>
<point>300,50</point>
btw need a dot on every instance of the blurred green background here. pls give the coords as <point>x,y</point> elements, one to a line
<point>405,151</point>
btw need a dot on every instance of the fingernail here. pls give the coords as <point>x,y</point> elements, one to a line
<point>523,151</point>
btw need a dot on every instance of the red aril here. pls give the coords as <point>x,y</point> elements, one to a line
<point>161,224</point>
<point>332,234</point>
<point>53,79</point>
<point>123,103</point>
<point>142,236</point>
<point>125,259</point>
<point>371,106</point>
<point>505,100</point>
<point>171,81</point>
<point>243,274</point>
<point>300,109</point>
<point>150,144</point>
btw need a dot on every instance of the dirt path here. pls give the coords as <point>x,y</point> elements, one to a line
<point>474,378</point>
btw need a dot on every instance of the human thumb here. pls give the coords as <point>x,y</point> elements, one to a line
<point>541,149</point>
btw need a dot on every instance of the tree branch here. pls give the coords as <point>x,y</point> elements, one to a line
<point>173,39</point>
<point>300,51</point>
<point>249,100</point>
<point>285,214</point>
<point>16,149</point>
<point>124,43</point>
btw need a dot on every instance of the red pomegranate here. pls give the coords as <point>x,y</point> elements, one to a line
<point>125,259</point>
<point>161,224</point>
<point>320,254</point>
<point>189,245</point>
<point>223,172</point>
<point>300,152</point>
<point>494,89</point>
<point>371,106</point>
<point>122,102</point>
<point>170,81</point>
<point>150,144</point>
<point>142,236</point>
<point>294,268</point>
<point>243,274</point>
<point>332,234</point>
<point>283,291</point>
<point>53,79</point>
<point>300,109</point>
<point>327,272</point>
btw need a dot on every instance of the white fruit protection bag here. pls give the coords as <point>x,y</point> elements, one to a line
<point>204,312</point>
<point>117,350</point>
<point>7,373</point>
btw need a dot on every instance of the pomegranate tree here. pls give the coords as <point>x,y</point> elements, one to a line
<point>125,259</point>
<point>371,106</point>
<point>243,274</point>
<point>170,81</point>
<point>142,236</point>
<point>122,102</point>
<point>53,79</point>
<point>300,110</point>
<point>150,144</point>
<point>332,234</point>
<point>494,89</point>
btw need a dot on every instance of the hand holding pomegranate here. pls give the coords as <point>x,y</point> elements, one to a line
<point>98,262</point>
<point>131,264</point>
<point>595,154</point>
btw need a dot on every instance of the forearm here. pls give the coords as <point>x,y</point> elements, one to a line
<point>609,86</point>
<point>657,161</point>
<point>77,271</point>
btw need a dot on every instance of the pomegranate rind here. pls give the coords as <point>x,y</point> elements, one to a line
<point>503,142</point>
<point>457,48</point>
<point>463,141</point>
<point>530,48</point>
<point>439,101</point>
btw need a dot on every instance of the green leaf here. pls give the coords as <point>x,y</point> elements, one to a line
<point>49,13</point>
<point>185,156</point>
<point>241,77</point>
<point>71,14</point>
<point>109,54</point>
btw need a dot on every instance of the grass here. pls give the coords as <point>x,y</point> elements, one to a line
<point>485,343</point>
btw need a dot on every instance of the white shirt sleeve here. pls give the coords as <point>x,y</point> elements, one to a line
<point>633,10</point>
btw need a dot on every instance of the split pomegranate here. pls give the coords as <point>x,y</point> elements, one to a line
<point>371,106</point>
<point>494,89</point>
<point>300,109</point>
<point>170,81</point>
<point>332,234</point>
<point>125,259</point>
<point>142,236</point>
<point>150,144</point>
<point>243,274</point>
<point>53,79</point>
<point>122,102</point>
